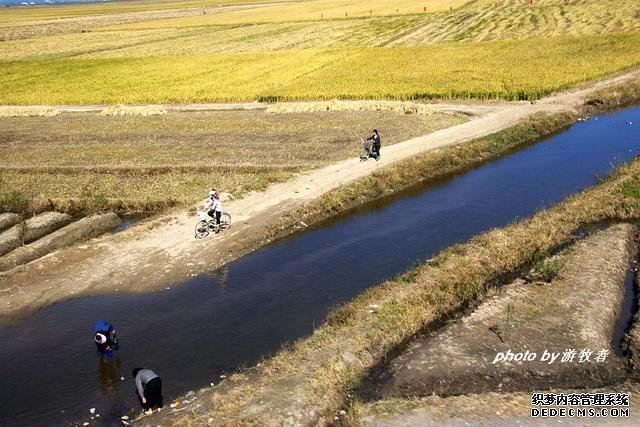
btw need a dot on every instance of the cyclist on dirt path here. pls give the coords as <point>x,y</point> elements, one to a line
<point>375,149</point>
<point>214,207</point>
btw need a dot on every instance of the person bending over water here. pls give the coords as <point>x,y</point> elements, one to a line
<point>148,388</point>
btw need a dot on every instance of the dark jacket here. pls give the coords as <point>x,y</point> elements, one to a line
<point>376,142</point>
<point>142,379</point>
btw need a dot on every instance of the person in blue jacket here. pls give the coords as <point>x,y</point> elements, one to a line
<point>105,338</point>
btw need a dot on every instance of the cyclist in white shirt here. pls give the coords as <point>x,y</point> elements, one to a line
<point>214,207</point>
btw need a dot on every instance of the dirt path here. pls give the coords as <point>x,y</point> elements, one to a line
<point>163,252</point>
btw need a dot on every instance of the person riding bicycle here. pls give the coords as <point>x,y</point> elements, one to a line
<point>375,148</point>
<point>214,207</point>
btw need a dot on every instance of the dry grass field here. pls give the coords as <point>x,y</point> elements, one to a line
<point>479,20</point>
<point>306,11</point>
<point>62,11</point>
<point>144,164</point>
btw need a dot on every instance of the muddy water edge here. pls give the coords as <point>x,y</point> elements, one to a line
<point>193,333</point>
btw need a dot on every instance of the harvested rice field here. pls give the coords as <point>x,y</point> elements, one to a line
<point>140,164</point>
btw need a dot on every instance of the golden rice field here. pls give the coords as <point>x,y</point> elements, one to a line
<point>519,69</point>
<point>280,51</point>
<point>143,164</point>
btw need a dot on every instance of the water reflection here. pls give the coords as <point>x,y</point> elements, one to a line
<point>110,374</point>
<point>221,276</point>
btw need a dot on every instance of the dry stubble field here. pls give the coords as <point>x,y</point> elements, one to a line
<point>143,164</point>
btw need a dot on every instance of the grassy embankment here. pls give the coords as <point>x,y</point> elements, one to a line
<point>315,377</point>
<point>89,163</point>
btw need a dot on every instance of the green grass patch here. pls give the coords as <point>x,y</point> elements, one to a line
<point>547,269</point>
<point>14,201</point>
<point>631,188</point>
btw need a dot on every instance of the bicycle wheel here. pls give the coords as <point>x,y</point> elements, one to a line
<point>225,221</point>
<point>202,229</point>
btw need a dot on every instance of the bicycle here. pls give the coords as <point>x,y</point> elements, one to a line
<point>206,224</point>
<point>367,151</point>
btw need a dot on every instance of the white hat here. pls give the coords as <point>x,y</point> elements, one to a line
<point>100,339</point>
